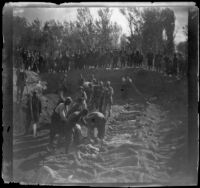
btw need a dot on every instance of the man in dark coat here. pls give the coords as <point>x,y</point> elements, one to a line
<point>95,98</point>
<point>21,82</point>
<point>36,108</point>
<point>26,107</point>
<point>150,58</point>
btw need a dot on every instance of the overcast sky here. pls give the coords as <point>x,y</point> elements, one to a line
<point>69,13</point>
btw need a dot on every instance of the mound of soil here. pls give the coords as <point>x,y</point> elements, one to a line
<point>145,143</point>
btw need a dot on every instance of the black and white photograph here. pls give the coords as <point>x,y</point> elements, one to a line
<point>100,94</point>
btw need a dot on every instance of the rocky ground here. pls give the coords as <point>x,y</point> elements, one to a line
<point>145,143</point>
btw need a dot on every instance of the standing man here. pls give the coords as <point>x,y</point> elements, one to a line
<point>90,92</point>
<point>122,59</point>
<point>64,89</point>
<point>157,61</point>
<point>27,110</point>
<point>66,61</point>
<point>21,82</point>
<point>82,94</point>
<point>108,98</point>
<point>95,99</point>
<point>114,59</point>
<point>36,108</point>
<point>132,58</point>
<point>150,57</point>
<point>167,65</point>
<point>137,58</point>
<point>101,97</point>
<point>41,63</point>
<point>81,80</point>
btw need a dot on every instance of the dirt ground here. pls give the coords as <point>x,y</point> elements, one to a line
<point>145,142</point>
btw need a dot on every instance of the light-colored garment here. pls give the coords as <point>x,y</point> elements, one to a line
<point>84,106</point>
<point>123,79</point>
<point>62,110</point>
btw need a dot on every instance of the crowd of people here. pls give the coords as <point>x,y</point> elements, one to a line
<point>89,106</point>
<point>63,61</point>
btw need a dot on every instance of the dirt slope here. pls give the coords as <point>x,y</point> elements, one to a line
<point>143,142</point>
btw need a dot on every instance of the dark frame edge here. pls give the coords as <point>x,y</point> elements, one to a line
<point>7,91</point>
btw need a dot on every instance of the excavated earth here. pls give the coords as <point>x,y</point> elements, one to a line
<point>145,143</point>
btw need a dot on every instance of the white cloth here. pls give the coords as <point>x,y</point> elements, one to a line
<point>62,110</point>
<point>78,127</point>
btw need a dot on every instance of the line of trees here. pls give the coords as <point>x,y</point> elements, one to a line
<point>83,34</point>
<point>151,29</point>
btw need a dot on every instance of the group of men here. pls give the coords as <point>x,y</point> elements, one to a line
<point>175,65</point>
<point>63,61</point>
<point>96,95</point>
<point>30,60</point>
<point>87,108</point>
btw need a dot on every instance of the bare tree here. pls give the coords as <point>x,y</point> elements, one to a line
<point>135,22</point>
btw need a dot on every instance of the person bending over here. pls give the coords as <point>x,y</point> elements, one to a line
<point>58,119</point>
<point>96,120</point>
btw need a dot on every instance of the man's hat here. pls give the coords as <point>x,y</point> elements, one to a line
<point>108,83</point>
<point>68,100</point>
<point>34,92</point>
<point>84,112</point>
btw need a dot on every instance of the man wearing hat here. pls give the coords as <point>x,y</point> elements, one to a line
<point>82,94</point>
<point>77,106</point>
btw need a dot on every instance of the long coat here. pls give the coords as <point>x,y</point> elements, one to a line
<point>36,108</point>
